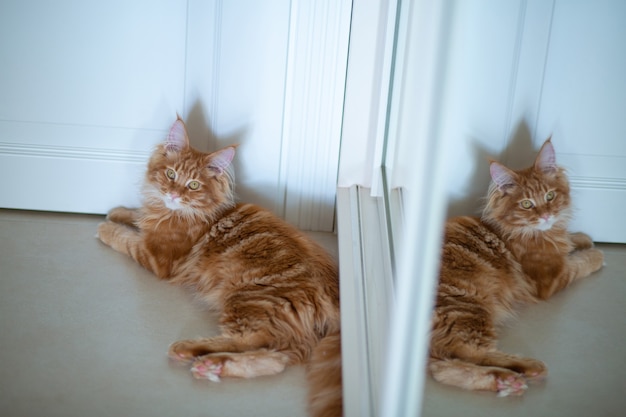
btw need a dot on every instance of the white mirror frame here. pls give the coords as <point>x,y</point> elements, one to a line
<point>395,97</point>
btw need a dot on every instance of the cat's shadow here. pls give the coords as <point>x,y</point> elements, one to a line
<point>203,138</point>
<point>519,153</point>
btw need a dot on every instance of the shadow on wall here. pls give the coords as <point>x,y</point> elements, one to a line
<point>518,154</point>
<point>203,138</point>
<point>305,212</point>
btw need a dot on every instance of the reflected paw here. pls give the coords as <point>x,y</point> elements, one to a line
<point>511,385</point>
<point>581,241</point>
<point>596,258</point>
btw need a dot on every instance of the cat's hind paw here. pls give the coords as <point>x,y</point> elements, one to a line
<point>207,369</point>
<point>181,351</point>
<point>123,215</point>
<point>511,385</point>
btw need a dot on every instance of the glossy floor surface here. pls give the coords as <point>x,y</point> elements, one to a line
<point>84,331</point>
<point>580,334</point>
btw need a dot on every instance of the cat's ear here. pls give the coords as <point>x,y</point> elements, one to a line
<point>546,160</point>
<point>502,176</point>
<point>220,160</point>
<point>177,139</point>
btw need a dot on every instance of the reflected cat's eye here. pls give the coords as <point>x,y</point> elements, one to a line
<point>170,173</point>
<point>193,185</point>
<point>550,195</point>
<point>527,204</point>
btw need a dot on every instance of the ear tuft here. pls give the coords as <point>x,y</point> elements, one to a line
<point>501,176</point>
<point>177,139</point>
<point>546,159</point>
<point>221,159</point>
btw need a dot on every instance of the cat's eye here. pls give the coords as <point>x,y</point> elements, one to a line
<point>170,173</point>
<point>193,185</point>
<point>526,204</point>
<point>550,195</point>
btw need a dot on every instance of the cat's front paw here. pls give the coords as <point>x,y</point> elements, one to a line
<point>511,385</point>
<point>106,231</point>
<point>123,215</point>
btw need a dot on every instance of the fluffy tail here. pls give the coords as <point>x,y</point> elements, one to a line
<point>324,377</point>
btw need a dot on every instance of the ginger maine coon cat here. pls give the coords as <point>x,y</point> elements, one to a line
<point>275,290</point>
<point>518,252</point>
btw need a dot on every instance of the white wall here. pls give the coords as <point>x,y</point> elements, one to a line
<point>84,87</point>
<point>520,71</point>
<point>88,88</point>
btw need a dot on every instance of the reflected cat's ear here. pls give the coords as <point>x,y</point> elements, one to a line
<point>221,159</point>
<point>546,160</point>
<point>177,139</point>
<point>502,176</point>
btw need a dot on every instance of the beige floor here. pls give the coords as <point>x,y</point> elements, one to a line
<point>84,331</point>
<point>580,334</point>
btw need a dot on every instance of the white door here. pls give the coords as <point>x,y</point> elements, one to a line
<point>88,88</point>
<point>583,103</point>
<point>519,72</point>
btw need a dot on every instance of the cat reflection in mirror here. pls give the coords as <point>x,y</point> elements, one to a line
<point>518,252</point>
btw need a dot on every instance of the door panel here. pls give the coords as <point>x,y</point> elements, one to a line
<point>79,111</point>
<point>522,71</point>
<point>91,63</point>
<point>88,88</point>
<point>582,104</point>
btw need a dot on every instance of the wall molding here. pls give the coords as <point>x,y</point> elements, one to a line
<point>73,152</point>
<point>313,108</point>
<point>269,77</point>
<point>596,183</point>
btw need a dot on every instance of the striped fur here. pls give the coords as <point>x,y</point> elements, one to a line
<point>275,290</point>
<point>518,253</point>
